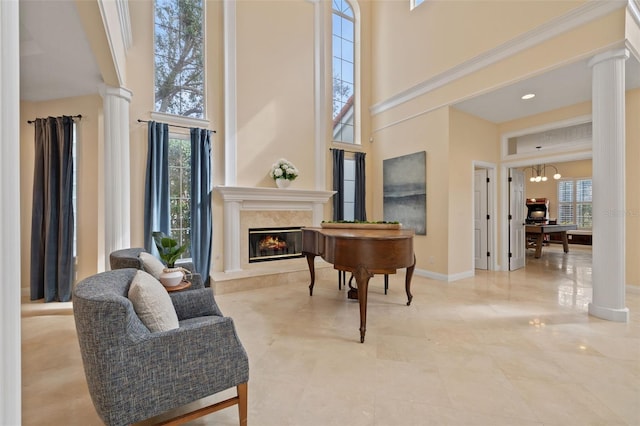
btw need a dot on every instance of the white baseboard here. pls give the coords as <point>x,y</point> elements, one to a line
<point>443,277</point>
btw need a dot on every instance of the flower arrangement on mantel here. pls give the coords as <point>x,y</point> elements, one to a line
<point>283,169</point>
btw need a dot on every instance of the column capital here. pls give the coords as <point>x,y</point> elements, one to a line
<point>607,56</point>
<point>120,92</point>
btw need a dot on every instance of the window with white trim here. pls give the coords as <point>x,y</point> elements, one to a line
<point>179,57</point>
<point>575,202</point>
<point>349,188</point>
<point>343,30</point>
<point>180,190</point>
<point>415,3</point>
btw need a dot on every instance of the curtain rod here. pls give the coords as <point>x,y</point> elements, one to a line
<point>346,150</point>
<point>173,125</point>
<point>79,116</point>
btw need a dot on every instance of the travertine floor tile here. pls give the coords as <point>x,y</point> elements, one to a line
<point>501,348</point>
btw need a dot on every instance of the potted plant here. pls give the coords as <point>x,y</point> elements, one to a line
<point>283,172</point>
<point>169,252</point>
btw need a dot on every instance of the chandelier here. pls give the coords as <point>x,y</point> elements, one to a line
<point>539,172</point>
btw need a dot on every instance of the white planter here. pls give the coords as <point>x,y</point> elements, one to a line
<point>171,277</point>
<point>283,183</point>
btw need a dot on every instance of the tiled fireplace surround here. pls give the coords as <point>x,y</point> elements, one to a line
<point>246,208</point>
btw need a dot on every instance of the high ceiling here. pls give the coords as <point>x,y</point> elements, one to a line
<point>56,62</point>
<point>55,58</point>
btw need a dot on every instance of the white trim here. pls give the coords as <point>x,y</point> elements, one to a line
<point>492,203</point>
<point>504,138</point>
<point>320,97</point>
<point>610,314</point>
<point>443,277</point>
<point>634,9</point>
<point>180,120</point>
<point>504,195</point>
<point>10,333</point>
<point>581,15</point>
<point>561,158</point>
<point>125,22</point>
<point>120,70</point>
<point>237,199</point>
<point>230,94</point>
<point>415,3</point>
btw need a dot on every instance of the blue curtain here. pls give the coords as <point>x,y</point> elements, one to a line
<point>360,212</point>
<point>156,195</point>
<point>201,226</point>
<point>52,213</point>
<point>338,184</point>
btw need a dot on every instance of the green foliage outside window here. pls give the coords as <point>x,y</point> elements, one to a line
<point>179,57</point>
<point>179,192</point>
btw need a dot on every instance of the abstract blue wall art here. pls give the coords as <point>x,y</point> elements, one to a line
<point>405,191</point>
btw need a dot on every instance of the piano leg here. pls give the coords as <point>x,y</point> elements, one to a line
<point>407,280</point>
<point>312,271</point>
<point>362,276</point>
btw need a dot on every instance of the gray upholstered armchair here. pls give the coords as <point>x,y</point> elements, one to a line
<point>130,258</point>
<point>134,374</point>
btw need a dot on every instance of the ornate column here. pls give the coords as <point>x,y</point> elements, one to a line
<point>608,104</point>
<point>116,179</point>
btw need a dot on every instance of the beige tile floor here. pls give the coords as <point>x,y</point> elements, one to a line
<point>498,349</point>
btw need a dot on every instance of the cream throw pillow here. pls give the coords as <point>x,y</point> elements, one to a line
<point>152,303</point>
<point>151,264</point>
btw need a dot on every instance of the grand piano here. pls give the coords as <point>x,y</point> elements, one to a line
<point>363,252</point>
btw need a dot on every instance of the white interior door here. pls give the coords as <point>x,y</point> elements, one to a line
<point>517,215</point>
<point>480,221</point>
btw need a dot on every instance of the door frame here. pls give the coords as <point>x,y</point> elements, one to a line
<point>492,211</point>
<point>504,194</point>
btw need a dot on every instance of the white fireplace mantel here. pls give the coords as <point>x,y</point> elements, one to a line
<point>237,199</point>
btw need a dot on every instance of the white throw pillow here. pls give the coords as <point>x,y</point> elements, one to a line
<point>152,303</point>
<point>151,264</point>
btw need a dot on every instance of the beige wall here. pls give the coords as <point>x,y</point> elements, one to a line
<point>632,198</point>
<point>430,133</point>
<point>88,147</point>
<point>275,79</point>
<point>578,44</point>
<point>415,45</point>
<point>471,140</point>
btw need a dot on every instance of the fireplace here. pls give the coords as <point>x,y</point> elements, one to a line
<point>267,244</point>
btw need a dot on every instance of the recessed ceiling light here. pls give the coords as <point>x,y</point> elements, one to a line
<point>528,96</point>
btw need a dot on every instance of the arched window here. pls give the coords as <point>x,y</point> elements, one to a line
<point>179,57</point>
<point>343,31</point>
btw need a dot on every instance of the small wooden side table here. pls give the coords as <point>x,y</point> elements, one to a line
<point>181,286</point>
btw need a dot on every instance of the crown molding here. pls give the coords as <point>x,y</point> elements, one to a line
<point>634,9</point>
<point>577,17</point>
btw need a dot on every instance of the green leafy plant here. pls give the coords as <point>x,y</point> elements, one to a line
<point>168,248</point>
<point>382,222</point>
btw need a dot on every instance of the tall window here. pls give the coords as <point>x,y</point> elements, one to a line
<point>179,190</point>
<point>575,202</point>
<point>179,58</point>
<point>349,188</point>
<point>343,69</point>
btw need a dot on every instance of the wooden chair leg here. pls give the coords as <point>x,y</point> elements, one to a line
<point>242,403</point>
<point>240,400</point>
